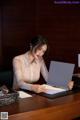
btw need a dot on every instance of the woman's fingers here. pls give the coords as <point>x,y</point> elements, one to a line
<point>38,88</point>
<point>70,85</point>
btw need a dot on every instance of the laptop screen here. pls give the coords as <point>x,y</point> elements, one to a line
<point>60,74</point>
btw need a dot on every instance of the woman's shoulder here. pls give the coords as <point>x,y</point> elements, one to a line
<point>19,57</point>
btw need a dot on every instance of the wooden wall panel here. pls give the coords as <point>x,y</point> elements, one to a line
<point>23,19</point>
<point>60,23</point>
<point>0,37</point>
<point>18,28</point>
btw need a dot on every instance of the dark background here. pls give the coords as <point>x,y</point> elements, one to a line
<point>21,20</point>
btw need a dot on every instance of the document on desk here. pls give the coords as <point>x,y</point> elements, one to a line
<point>52,90</point>
<point>23,94</point>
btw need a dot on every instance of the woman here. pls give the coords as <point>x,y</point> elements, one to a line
<point>27,67</point>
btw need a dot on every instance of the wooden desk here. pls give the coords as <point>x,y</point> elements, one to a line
<point>38,108</point>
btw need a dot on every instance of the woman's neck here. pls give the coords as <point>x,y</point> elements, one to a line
<point>31,57</point>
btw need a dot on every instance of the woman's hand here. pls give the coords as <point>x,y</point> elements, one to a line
<point>38,88</point>
<point>70,85</point>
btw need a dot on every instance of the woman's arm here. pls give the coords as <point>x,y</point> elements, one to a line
<point>18,75</point>
<point>44,70</point>
<point>17,68</point>
<point>74,83</point>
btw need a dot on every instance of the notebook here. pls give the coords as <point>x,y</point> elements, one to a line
<point>60,73</point>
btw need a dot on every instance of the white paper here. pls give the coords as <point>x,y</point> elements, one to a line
<point>78,60</point>
<point>23,94</point>
<point>52,90</point>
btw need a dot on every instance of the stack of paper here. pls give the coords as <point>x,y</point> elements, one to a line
<point>52,90</point>
<point>23,94</point>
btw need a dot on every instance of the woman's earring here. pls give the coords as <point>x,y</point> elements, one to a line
<point>31,47</point>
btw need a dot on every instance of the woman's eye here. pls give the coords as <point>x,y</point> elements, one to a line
<point>40,49</point>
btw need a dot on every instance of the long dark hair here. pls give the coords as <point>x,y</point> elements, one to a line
<point>37,42</point>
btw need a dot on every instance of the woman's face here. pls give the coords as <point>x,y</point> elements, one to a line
<point>40,51</point>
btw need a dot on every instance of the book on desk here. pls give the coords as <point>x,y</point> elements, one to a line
<point>60,73</point>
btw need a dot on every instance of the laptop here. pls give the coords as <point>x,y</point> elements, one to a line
<point>60,73</point>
